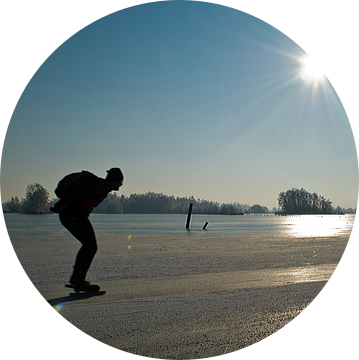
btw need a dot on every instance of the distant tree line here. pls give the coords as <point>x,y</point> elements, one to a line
<point>37,201</point>
<point>297,201</point>
<point>257,209</point>
<point>152,203</point>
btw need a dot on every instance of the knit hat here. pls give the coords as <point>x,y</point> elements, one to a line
<point>114,175</point>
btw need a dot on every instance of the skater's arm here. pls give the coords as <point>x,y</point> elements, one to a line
<point>100,189</point>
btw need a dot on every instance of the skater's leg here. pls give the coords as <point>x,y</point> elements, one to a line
<point>80,227</point>
<point>85,255</point>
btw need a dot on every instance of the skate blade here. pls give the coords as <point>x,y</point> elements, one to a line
<point>87,294</point>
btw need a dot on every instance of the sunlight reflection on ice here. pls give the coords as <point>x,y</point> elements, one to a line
<point>317,225</point>
<point>307,274</point>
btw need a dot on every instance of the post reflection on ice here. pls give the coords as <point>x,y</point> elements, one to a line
<point>317,225</point>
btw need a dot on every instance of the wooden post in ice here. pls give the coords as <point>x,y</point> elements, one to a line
<point>189,215</point>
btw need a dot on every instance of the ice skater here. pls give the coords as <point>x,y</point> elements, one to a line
<point>79,194</point>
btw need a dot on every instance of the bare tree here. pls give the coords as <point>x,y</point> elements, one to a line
<point>36,200</point>
<point>13,206</point>
<point>297,201</point>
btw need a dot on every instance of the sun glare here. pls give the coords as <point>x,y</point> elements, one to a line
<point>317,225</point>
<point>311,69</point>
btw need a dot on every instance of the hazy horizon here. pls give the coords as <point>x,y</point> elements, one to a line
<point>189,99</point>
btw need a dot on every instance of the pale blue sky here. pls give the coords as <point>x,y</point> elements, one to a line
<point>187,98</point>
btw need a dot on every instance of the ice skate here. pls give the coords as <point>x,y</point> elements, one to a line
<point>84,287</point>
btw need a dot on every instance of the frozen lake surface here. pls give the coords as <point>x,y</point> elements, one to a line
<point>174,225</point>
<point>173,293</point>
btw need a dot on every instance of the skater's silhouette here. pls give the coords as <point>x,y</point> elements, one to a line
<point>79,193</point>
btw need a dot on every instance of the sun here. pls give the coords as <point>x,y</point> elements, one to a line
<point>311,69</point>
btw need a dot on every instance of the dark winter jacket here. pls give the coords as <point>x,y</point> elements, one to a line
<point>90,197</point>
